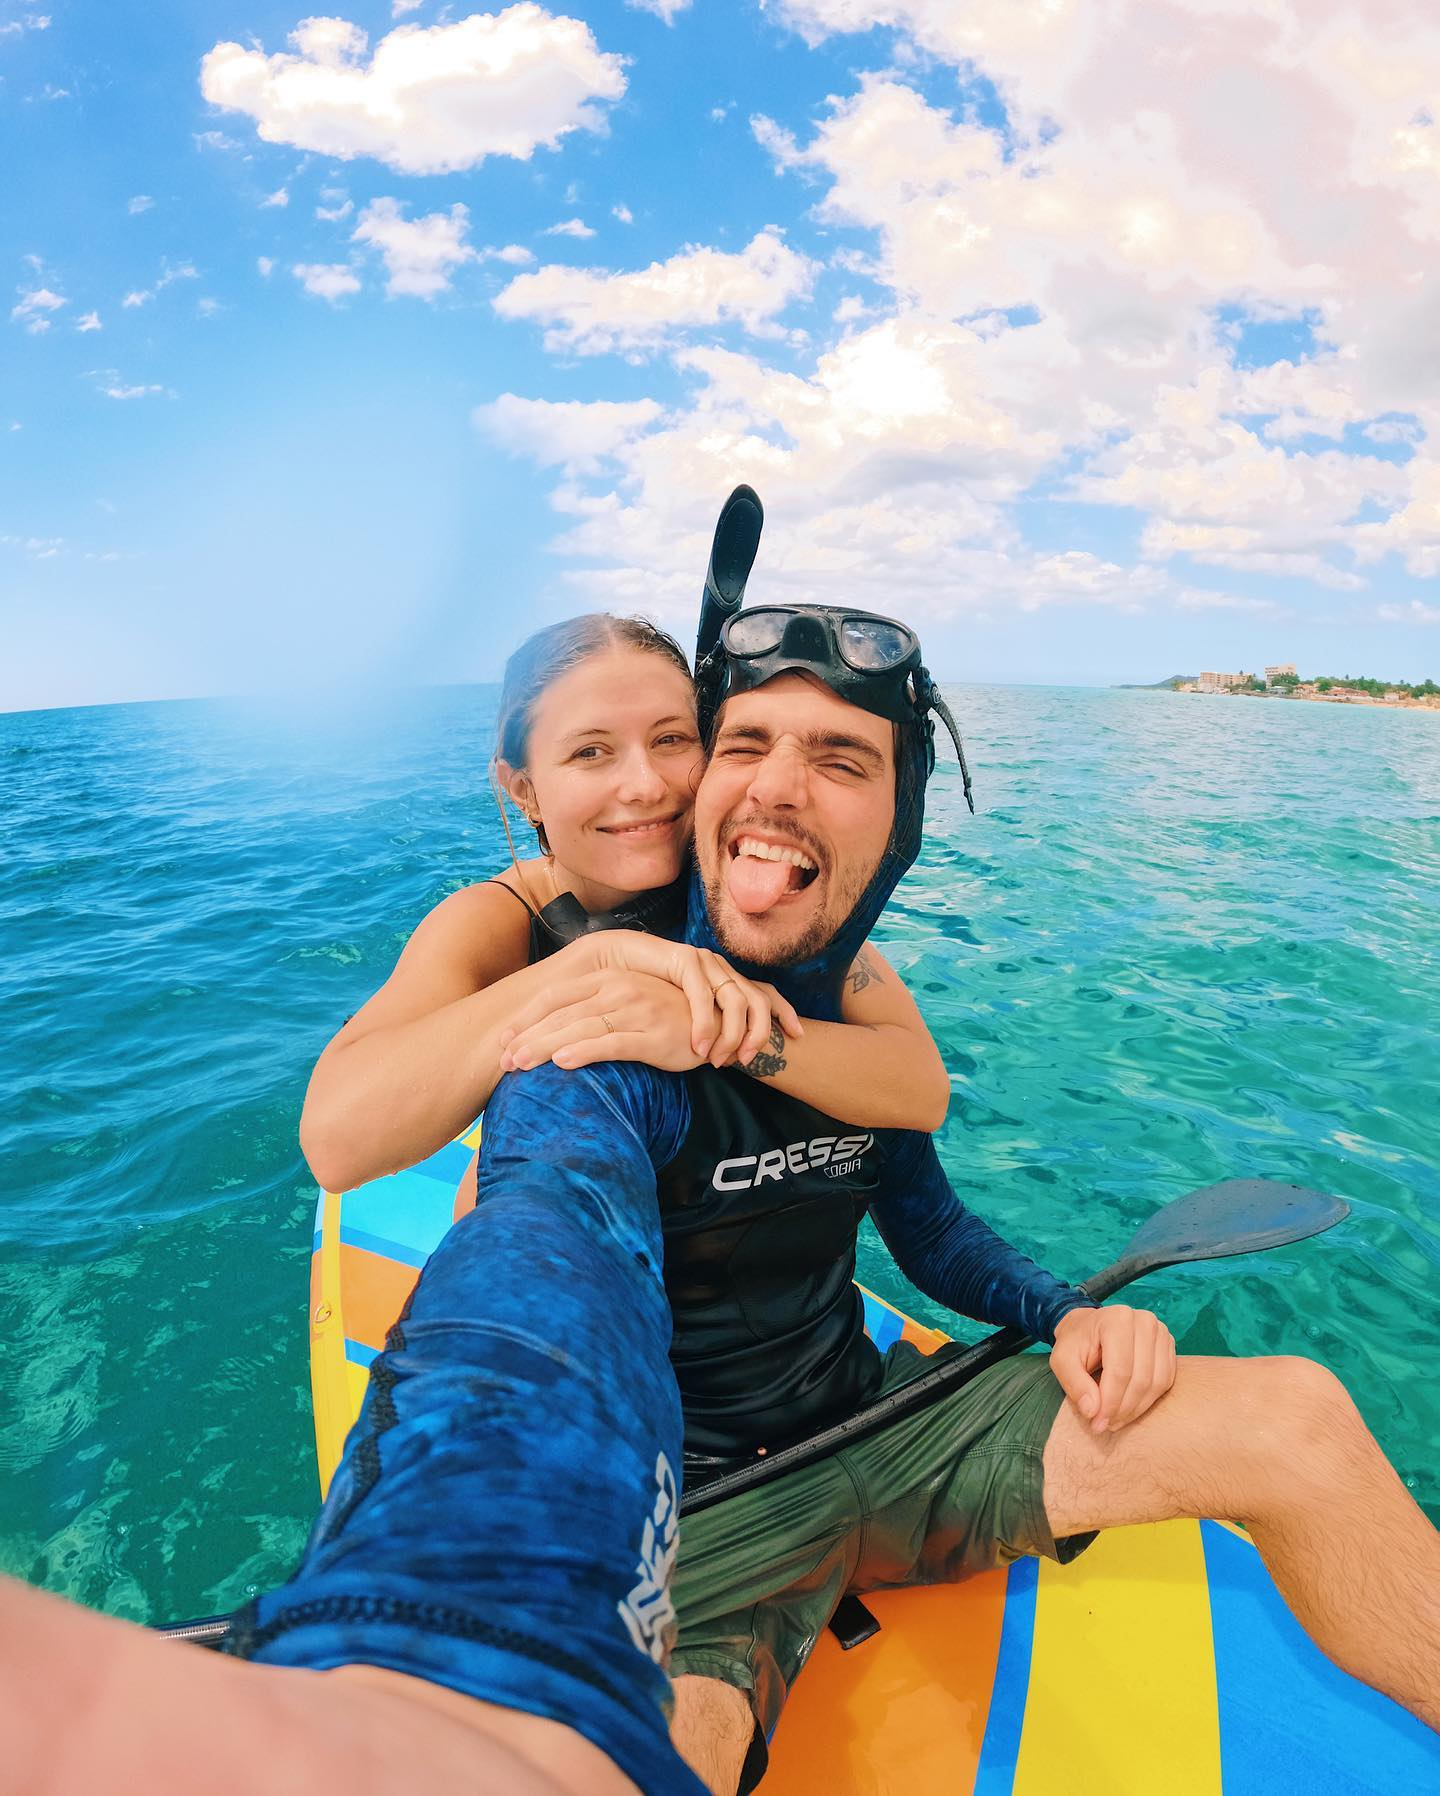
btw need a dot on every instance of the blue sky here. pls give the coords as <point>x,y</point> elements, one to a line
<point>347,351</point>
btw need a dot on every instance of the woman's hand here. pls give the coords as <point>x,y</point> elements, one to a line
<point>604,1016</point>
<point>730,1015</point>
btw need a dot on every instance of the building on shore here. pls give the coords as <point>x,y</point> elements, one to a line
<point>1285,670</point>
<point>1222,682</point>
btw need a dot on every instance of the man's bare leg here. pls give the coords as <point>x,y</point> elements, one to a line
<point>1277,1445</point>
<point>88,1702</point>
<point>712,1728</point>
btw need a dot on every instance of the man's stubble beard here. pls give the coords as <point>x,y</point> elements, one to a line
<point>816,936</point>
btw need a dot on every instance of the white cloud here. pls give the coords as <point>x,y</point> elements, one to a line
<point>1412,530</point>
<point>142,202</point>
<point>419,253</point>
<point>32,21</point>
<point>41,548</point>
<point>280,197</point>
<point>89,321</point>
<point>34,308</point>
<point>568,433</point>
<point>514,253</point>
<point>333,214</point>
<point>114,388</point>
<point>215,140</point>
<point>1194,598</point>
<point>623,213</point>
<point>429,100</point>
<point>140,296</point>
<point>327,280</point>
<point>399,8</point>
<point>569,227</point>
<point>662,9</point>
<point>1416,612</point>
<point>208,307</point>
<point>1081,293</point>
<point>593,311</point>
<point>266,265</point>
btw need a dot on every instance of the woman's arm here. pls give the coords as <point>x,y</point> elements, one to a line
<point>417,1063</point>
<point>879,1069</point>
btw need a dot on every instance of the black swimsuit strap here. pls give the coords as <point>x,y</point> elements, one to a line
<point>519,897</point>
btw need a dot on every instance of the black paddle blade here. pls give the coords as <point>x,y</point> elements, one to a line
<point>1238,1216</point>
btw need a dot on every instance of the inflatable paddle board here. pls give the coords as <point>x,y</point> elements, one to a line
<point>1162,1662</point>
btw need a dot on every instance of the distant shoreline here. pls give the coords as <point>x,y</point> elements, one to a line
<point>1310,696</point>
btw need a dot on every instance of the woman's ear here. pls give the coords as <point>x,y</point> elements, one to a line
<point>518,785</point>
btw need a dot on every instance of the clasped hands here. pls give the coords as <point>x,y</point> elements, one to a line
<point>622,995</point>
<point>1113,1363</point>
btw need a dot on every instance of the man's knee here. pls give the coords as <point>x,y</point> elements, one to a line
<point>711,1729</point>
<point>1232,1438</point>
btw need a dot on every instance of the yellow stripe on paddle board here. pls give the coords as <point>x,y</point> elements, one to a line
<point>328,1365</point>
<point>1122,1678</point>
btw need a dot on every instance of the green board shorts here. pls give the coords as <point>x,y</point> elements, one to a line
<point>954,1490</point>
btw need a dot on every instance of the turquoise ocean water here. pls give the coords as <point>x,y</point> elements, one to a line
<point>1184,940</point>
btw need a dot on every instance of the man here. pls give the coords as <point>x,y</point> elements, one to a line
<point>822,747</point>
<point>820,754</point>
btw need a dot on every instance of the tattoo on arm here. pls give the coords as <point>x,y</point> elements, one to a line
<point>862,972</point>
<point>765,1065</point>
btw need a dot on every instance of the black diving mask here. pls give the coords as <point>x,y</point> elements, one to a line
<point>867,660</point>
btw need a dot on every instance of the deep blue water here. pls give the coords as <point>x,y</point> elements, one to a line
<point>1186,939</point>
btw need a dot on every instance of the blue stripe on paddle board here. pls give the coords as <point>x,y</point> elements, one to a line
<point>410,1209</point>
<point>1290,1720</point>
<point>384,1245</point>
<point>883,1325</point>
<point>448,1164</point>
<point>1000,1749</point>
<point>358,1353</point>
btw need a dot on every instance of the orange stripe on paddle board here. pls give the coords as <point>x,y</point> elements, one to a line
<point>375,1291</point>
<point>904,1713</point>
<point>465,1191</point>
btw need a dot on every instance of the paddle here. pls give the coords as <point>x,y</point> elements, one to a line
<point>1238,1216</point>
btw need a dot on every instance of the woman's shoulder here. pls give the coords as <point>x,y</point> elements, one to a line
<point>503,902</point>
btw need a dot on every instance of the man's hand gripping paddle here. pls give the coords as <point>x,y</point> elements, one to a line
<point>1238,1216</point>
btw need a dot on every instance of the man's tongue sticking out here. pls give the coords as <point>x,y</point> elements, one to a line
<point>756,885</point>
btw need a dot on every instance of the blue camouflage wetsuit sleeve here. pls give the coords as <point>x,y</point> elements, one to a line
<point>504,1518</point>
<point>947,1252</point>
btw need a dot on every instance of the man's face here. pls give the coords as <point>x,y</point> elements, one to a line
<point>796,774</point>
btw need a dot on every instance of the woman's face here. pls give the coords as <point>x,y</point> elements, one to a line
<point>614,759</point>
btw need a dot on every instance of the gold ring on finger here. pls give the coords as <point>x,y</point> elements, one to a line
<point>609,1026</point>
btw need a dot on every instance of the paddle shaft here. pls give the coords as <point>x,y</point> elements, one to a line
<point>920,1392</point>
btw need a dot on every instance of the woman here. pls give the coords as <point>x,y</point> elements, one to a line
<point>598,748</point>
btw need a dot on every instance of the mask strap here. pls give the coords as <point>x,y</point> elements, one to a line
<point>942,711</point>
